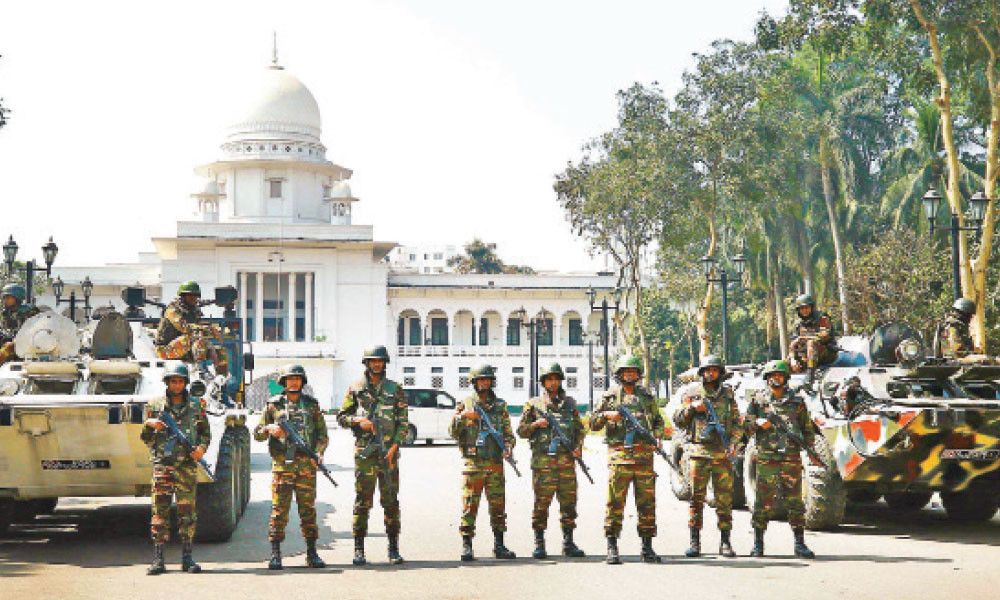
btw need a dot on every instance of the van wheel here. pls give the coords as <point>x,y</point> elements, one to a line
<point>680,483</point>
<point>411,436</point>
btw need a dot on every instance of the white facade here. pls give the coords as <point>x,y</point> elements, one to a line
<point>424,258</point>
<point>274,220</point>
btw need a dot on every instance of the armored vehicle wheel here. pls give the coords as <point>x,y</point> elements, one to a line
<point>245,434</point>
<point>47,506</point>
<point>823,490</point>
<point>907,501</point>
<point>863,496</point>
<point>411,435</point>
<point>977,503</point>
<point>5,509</point>
<point>680,484</point>
<point>219,503</point>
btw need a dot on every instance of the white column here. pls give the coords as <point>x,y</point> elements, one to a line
<point>309,307</point>
<point>243,301</point>
<point>291,307</point>
<point>258,315</point>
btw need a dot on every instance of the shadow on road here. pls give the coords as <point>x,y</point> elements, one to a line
<point>927,524</point>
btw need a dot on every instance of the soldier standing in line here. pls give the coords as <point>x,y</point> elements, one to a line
<point>179,335</point>
<point>375,411</point>
<point>175,473</point>
<point>707,455</point>
<point>293,471</point>
<point>629,465</point>
<point>15,312</point>
<point>779,463</point>
<point>552,465</point>
<point>483,460</point>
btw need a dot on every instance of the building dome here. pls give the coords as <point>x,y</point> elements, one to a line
<point>278,106</point>
<point>340,191</point>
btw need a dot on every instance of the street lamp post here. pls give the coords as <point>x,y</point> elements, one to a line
<point>979,203</point>
<point>534,325</point>
<point>605,332</point>
<point>739,266</point>
<point>590,335</point>
<point>49,251</point>
<point>86,285</point>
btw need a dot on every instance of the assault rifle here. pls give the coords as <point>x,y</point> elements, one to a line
<point>489,431</point>
<point>714,424</point>
<point>633,428</point>
<point>791,434</point>
<point>559,438</point>
<point>176,436</point>
<point>295,442</point>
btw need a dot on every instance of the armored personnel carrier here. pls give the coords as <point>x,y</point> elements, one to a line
<point>895,425</point>
<point>72,407</point>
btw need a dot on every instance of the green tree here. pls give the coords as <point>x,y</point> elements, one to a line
<point>479,257</point>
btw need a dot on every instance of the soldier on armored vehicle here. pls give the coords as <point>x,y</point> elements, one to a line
<point>180,334</point>
<point>814,340</point>
<point>953,340</point>
<point>15,312</point>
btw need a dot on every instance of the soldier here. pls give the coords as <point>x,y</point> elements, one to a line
<point>629,465</point>
<point>552,465</point>
<point>176,473</point>
<point>483,464</point>
<point>779,464</point>
<point>179,335</point>
<point>292,471</point>
<point>707,455</point>
<point>953,340</point>
<point>814,340</point>
<point>15,312</point>
<point>375,410</point>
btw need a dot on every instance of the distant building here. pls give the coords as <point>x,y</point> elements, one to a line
<point>425,258</point>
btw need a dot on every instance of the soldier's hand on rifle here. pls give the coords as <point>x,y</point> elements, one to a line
<point>699,405</point>
<point>612,415</point>
<point>578,453</point>
<point>471,415</point>
<point>540,423</point>
<point>364,423</point>
<point>391,454</point>
<point>155,424</point>
<point>763,423</point>
<point>815,462</point>
<point>506,452</point>
<point>275,430</point>
<point>197,453</point>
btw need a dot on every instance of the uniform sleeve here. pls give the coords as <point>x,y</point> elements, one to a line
<point>598,420</point>
<point>458,423</point>
<point>505,429</point>
<point>203,429</point>
<point>656,418</point>
<point>319,425</point>
<point>348,409</point>
<point>578,434</point>
<point>267,418</point>
<point>825,331</point>
<point>806,426</point>
<point>529,416</point>
<point>147,433</point>
<point>734,426</point>
<point>176,319</point>
<point>402,416</point>
<point>683,415</point>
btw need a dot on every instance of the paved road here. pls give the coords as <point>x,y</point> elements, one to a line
<point>91,549</point>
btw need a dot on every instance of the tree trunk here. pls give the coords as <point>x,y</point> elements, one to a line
<point>704,348</point>
<point>831,212</point>
<point>774,277</point>
<point>805,259</point>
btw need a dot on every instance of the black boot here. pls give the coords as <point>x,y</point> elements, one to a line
<point>394,557</point>
<point>157,566</point>
<point>569,547</point>
<point>359,551</point>
<point>539,545</point>
<point>187,563</point>
<point>695,549</point>
<point>613,557</point>
<point>801,550</point>
<point>313,561</point>
<point>725,547</point>
<point>499,550</point>
<point>275,563</point>
<point>648,555</point>
<point>758,543</point>
<point>467,555</point>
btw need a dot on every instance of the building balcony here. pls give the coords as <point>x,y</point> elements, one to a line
<point>295,350</point>
<point>552,352</point>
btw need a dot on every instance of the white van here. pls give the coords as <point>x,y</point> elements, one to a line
<point>430,413</point>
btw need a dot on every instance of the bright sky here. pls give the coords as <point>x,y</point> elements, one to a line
<point>454,115</point>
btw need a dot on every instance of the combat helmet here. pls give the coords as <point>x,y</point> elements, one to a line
<point>189,287</point>
<point>482,371</point>
<point>553,369</point>
<point>627,361</point>
<point>176,368</point>
<point>962,305</point>
<point>777,366</point>
<point>375,352</point>
<point>804,300</point>
<point>16,290</point>
<point>288,370</point>
<point>711,360</point>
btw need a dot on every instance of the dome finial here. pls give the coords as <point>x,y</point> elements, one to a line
<point>274,51</point>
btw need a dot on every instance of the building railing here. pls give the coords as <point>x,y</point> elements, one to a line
<point>491,351</point>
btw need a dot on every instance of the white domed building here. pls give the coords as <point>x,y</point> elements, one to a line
<point>273,217</point>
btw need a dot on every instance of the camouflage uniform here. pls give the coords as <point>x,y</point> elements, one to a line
<point>630,465</point>
<point>483,464</point>
<point>706,454</point>
<point>955,338</point>
<point>779,464</point>
<point>553,473</point>
<point>11,319</point>
<point>180,337</point>
<point>177,474</point>
<point>814,352</point>
<point>292,471</point>
<point>385,405</point>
